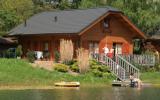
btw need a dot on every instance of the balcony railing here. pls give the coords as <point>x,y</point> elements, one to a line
<point>143,60</point>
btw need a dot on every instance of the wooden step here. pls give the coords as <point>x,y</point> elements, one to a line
<point>121,83</point>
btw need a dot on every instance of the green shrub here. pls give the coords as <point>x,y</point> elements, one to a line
<point>93,62</point>
<point>101,68</point>
<point>61,67</point>
<point>97,73</point>
<point>97,69</point>
<point>56,56</point>
<point>74,67</point>
<point>109,75</point>
<point>19,51</point>
<point>31,56</point>
<point>157,67</point>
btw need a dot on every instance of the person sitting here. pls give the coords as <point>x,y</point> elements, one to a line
<point>132,82</point>
<point>135,82</point>
<point>138,82</point>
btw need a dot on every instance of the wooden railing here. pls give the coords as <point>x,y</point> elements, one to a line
<point>129,68</point>
<point>113,66</point>
<point>143,60</point>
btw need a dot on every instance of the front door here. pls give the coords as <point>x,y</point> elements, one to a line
<point>117,48</point>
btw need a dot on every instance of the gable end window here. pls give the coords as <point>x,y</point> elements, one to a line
<point>106,23</point>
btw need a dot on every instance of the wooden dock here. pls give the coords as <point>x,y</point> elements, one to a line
<point>121,83</point>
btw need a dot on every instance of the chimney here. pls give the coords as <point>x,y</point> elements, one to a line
<point>55,18</point>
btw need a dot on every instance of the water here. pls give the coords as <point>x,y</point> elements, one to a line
<point>96,93</point>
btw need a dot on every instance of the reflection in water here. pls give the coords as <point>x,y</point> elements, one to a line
<point>96,93</point>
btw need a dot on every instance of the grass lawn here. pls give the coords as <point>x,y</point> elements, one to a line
<point>15,72</point>
<point>151,77</point>
<point>20,72</point>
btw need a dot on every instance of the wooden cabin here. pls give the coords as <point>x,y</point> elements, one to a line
<point>87,28</point>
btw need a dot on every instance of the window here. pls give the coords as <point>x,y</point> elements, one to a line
<point>106,23</point>
<point>46,46</point>
<point>93,46</point>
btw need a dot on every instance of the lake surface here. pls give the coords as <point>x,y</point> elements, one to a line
<point>94,93</point>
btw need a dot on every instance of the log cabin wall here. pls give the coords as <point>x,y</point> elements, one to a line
<point>36,42</point>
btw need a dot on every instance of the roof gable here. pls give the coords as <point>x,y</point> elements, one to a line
<point>123,17</point>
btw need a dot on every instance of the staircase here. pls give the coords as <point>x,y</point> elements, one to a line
<point>121,68</point>
<point>129,68</point>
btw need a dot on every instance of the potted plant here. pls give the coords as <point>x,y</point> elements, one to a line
<point>19,51</point>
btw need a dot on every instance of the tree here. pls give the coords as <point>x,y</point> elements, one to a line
<point>23,8</point>
<point>7,20</point>
<point>64,4</point>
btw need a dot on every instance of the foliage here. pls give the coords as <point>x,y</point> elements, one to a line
<point>19,51</point>
<point>8,20</point>
<point>31,56</point>
<point>97,73</point>
<point>98,70</point>
<point>61,67</point>
<point>22,8</point>
<point>12,12</point>
<point>56,55</point>
<point>93,62</point>
<point>66,51</point>
<point>64,4</point>
<point>74,67</point>
<point>83,60</point>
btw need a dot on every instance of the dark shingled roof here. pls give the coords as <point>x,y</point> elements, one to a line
<point>68,21</point>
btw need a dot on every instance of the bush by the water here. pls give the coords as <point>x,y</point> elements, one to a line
<point>74,67</point>
<point>31,56</point>
<point>61,67</point>
<point>98,70</point>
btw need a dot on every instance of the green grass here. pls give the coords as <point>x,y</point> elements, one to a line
<point>151,77</point>
<point>20,72</point>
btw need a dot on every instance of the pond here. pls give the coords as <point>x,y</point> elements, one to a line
<point>93,93</point>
